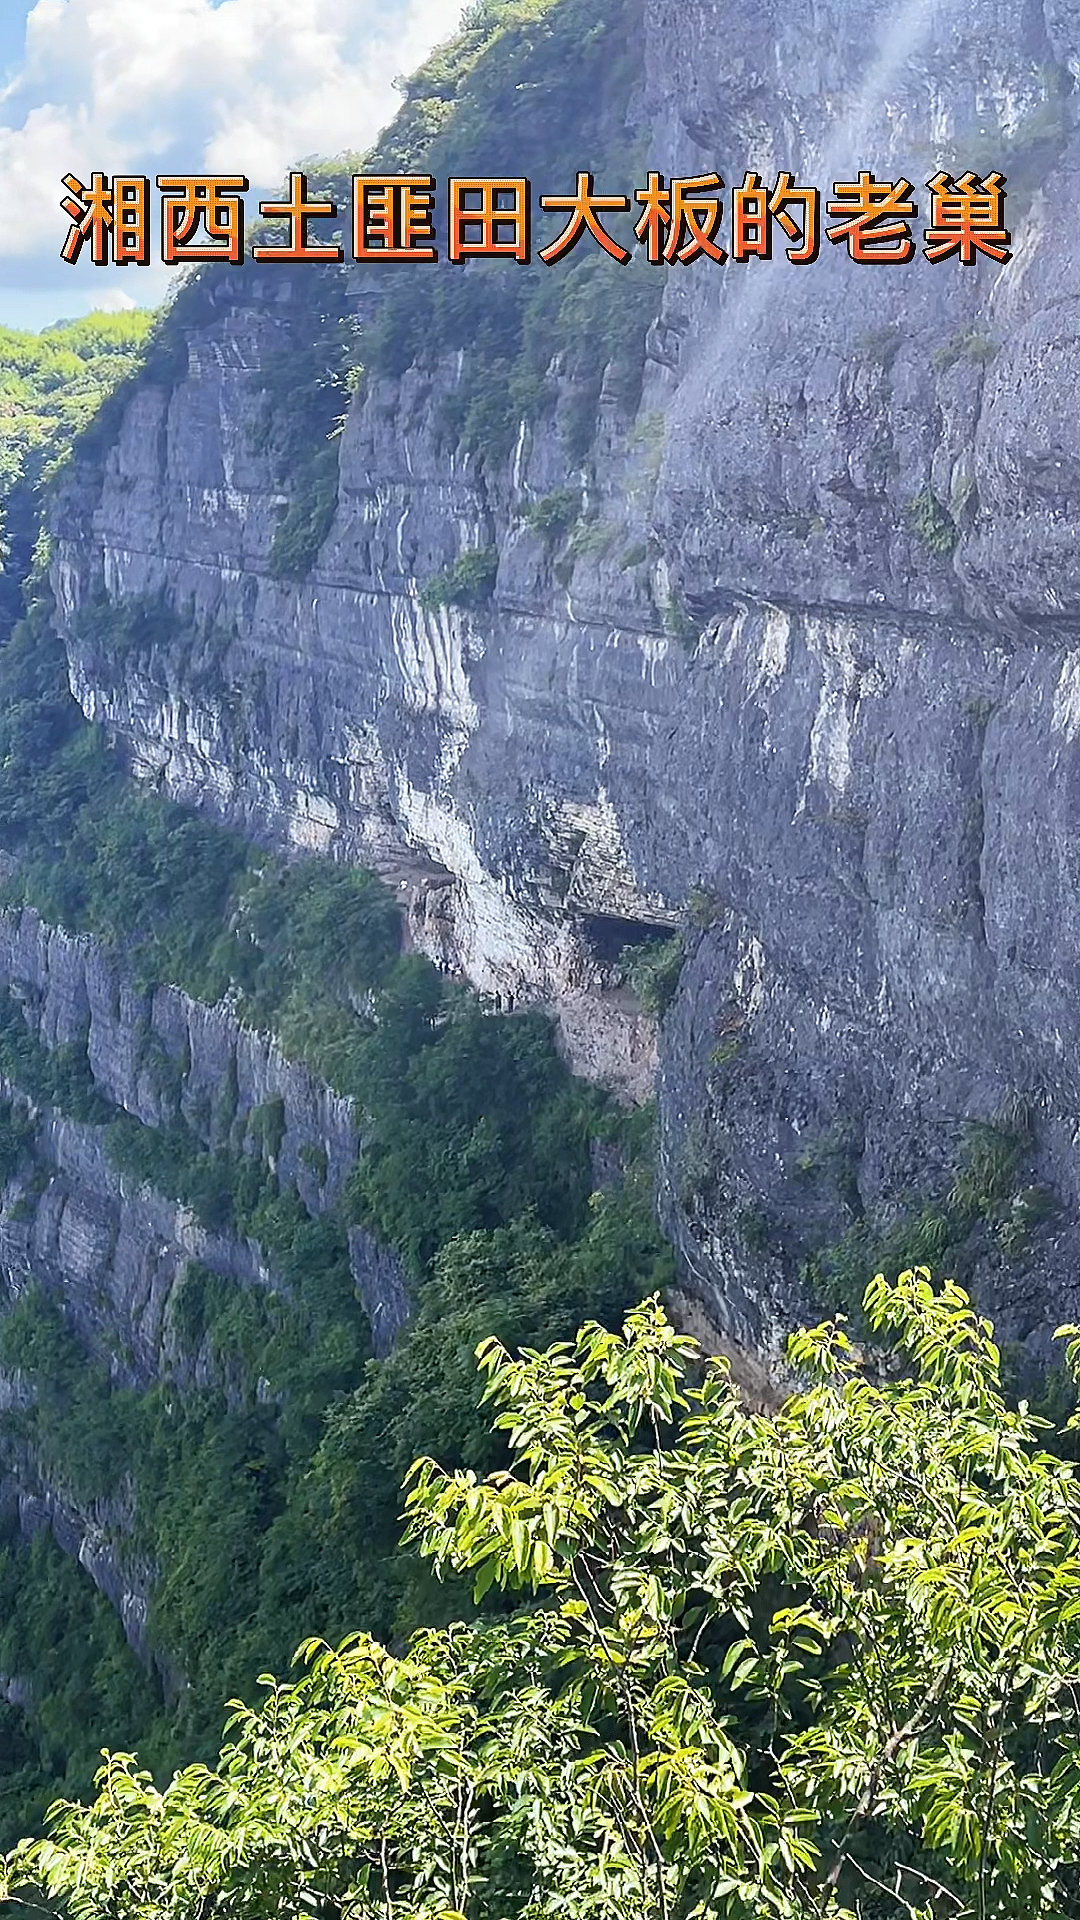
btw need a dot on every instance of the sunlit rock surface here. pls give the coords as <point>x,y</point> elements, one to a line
<point>818,670</point>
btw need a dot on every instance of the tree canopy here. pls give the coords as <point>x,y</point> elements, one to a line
<point>817,1662</point>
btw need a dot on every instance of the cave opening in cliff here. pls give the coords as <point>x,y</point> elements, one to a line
<point>608,936</point>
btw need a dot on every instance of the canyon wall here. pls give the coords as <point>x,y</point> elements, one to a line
<point>802,678</point>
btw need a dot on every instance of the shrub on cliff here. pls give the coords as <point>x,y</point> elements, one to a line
<point>816,1663</point>
<point>467,582</point>
<point>653,971</point>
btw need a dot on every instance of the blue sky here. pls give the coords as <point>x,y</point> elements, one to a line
<point>198,86</point>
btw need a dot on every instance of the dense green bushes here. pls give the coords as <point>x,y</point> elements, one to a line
<point>55,1626</point>
<point>17,1133</point>
<point>308,518</point>
<point>653,970</point>
<point>60,1078</point>
<point>52,383</point>
<point>812,1665</point>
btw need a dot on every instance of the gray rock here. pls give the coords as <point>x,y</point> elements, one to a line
<point>112,1252</point>
<point>382,1288</point>
<point>162,1054</point>
<point>857,491</point>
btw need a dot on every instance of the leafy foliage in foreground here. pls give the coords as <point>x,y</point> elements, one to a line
<point>816,1664</point>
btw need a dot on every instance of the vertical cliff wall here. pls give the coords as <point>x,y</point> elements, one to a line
<point>792,639</point>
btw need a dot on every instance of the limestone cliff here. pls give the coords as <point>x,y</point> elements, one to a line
<point>801,654</point>
<point>112,1252</point>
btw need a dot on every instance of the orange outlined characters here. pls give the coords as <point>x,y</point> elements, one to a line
<point>298,210</point>
<point>687,206</point>
<point>583,208</point>
<point>475,229</point>
<point>754,208</point>
<point>967,217</point>
<point>212,201</point>
<point>875,225</point>
<point>392,217</point>
<point>113,215</point>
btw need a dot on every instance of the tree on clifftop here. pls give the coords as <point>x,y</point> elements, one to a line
<point>820,1663</point>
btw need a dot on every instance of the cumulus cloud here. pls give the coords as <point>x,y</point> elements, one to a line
<point>114,300</point>
<point>146,86</point>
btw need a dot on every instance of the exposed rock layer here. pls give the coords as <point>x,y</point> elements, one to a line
<point>851,494</point>
<point>111,1251</point>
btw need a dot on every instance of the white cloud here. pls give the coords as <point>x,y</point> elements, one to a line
<point>114,300</point>
<point>142,86</point>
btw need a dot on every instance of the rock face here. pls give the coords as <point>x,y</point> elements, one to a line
<point>109,1250</point>
<point>114,1248</point>
<point>159,1054</point>
<point>113,1253</point>
<point>94,1536</point>
<point>815,665</point>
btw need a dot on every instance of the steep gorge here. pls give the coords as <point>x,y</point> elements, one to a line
<point>782,637</point>
<point>768,639</point>
<point>219,1198</point>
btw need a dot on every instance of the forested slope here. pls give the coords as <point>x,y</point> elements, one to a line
<point>248,1144</point>
<point>203,1460</point>
<point>585,642</point>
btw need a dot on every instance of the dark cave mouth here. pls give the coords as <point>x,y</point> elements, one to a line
<point>607,936</point>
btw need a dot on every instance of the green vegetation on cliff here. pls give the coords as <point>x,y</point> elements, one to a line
<point>540,89</point>
<point>266,1497</point>
<point>817,1665</point>
<point>51,385</point>
<point>258,1476</point>
<point>71,1640</point>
